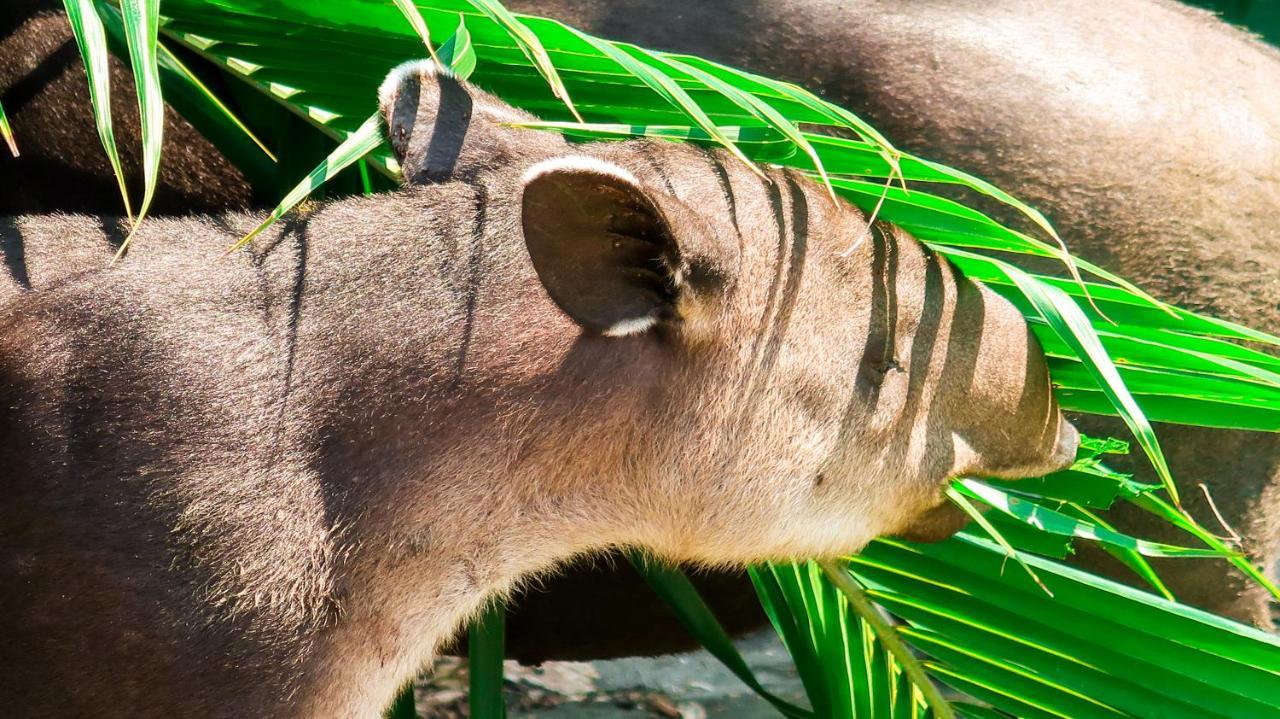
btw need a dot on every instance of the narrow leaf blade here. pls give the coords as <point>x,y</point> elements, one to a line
<point>358,144</point>
<point>141,27</point>
<point>91,38</point>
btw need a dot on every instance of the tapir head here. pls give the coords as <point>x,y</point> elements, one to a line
<point>772,376</point>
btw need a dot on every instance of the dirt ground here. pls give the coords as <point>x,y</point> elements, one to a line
<point>680,686</point>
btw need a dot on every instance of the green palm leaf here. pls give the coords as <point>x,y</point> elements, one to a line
<point>419,25</point>
<point>1095,648</point>
<point>679,594</point>
<point>458,54</point>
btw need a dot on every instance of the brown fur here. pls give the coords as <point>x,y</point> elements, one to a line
<point>272,484</point>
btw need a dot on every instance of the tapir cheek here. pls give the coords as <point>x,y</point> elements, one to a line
<point>936,524</point>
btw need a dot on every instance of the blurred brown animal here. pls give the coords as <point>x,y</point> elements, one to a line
<point>271,485</point>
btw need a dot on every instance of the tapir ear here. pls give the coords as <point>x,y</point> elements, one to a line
<point>600,245</point>
<point>442,128</point>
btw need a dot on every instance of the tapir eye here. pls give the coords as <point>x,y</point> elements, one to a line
<point>877,370</point>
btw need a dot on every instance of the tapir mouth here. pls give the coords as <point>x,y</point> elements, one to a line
<point>1060,457</point>
<point>944,520</point>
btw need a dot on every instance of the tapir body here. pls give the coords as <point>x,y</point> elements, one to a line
<point>1144,129</point>
<point>272,483</point>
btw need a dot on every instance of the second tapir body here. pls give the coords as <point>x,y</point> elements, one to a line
<point>271,484</point>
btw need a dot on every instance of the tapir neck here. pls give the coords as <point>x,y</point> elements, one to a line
<point>430,518</point>
<point>440,546</point>
<point>364,427</point>
<point>401,609</point>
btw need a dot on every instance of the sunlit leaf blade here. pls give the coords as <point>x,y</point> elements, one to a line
<point>990,190</point>
<point>141,28</point>
<point>839,575</point>
<point>200,106</point>
<point>837,115</point>
<point>90,37</point>
<point>964,504</point>
<point>1087,482</point>
<point>987,676</point>
<point>758,141</point>
<point>169,62</point>
<point>936,219</point>
<point>757,107</point>
<point>1119,648</point>
<point>792,629</point>
<point>356,146</point>
<point>1129,557</point>
<point>1134,310</point>
<point>679,594</point>
<point>1174,516</point>
<point>458,54</point>
<point>532,47</point>
<point>419,25</point>
<point>848,668</point>
<point>1054,522</point>
<point>666,88</point>
<point>7,133</point>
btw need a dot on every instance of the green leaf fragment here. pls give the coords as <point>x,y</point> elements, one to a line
<point>665,87</point>
<point>358,144</point>
<point>1055,522</point>
<point>457,53</point>
<point>486,652</point>
<point>7,133</point>
<point>679,594</point>
<point>531,46</point>
<point>414,16</point>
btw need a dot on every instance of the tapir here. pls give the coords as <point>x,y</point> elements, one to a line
<point>1116,118</point>
<point>270,484</point>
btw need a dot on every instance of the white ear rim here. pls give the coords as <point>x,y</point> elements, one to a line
<point>426,66</point>
<point>631,326</point>
<point>580,164</point>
